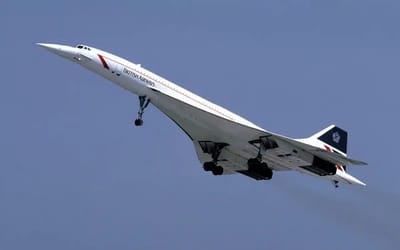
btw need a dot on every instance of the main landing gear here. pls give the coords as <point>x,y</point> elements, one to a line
<point>213,167</point>
<point>213,148</point>
<point>257,169</point>
<point>143,103</point>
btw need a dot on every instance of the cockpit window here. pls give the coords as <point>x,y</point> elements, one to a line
<point>83,47</point>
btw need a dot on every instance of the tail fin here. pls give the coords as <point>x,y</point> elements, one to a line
<point>334,137</point>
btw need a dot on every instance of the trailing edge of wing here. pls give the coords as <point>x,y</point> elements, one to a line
<point>337,159</point>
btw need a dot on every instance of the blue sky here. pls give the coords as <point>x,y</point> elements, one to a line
<point>76,173</point>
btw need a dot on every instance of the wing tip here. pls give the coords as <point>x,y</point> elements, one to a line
<point>359,163</point>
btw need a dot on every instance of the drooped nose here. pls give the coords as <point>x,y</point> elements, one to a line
<point>61,50</point>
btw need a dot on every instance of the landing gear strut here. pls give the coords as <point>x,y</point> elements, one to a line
<point>143,103</point>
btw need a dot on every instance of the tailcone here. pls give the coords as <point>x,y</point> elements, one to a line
<point>345,177</point>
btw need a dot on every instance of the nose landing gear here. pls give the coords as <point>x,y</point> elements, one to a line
<point>143,103</point>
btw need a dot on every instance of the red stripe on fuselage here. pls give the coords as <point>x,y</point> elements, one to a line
<point>105,65</point>
<point>339,167</point>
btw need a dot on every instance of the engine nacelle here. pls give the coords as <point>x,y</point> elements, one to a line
<point>321,167</point>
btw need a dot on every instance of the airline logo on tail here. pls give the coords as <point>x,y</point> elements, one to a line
<point>336,137</point>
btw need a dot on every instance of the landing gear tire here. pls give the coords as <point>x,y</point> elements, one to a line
<point>209,166</point>
<point>217,170</point>
<point>261,169</point>
<point>138,122</point>
<point>214,168</point>
<point>265,171</point>
<point>335,184</point>
<point>253,163</point>
<point>268,174</point>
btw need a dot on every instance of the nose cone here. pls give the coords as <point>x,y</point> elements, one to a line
<point>49,46</point>
<point>61,50</point>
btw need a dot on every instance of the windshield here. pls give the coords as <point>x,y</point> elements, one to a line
<point>83,47</point>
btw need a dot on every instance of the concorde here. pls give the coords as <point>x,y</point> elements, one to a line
<point>225,143</point>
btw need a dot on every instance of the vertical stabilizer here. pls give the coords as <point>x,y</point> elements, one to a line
<point>334,137</point>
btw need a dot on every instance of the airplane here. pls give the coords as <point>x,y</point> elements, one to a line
<point>225,143</point>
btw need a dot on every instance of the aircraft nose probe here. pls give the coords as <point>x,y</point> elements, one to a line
<point>53,48</point>
<point>58,49</point>
<point>48,46</point>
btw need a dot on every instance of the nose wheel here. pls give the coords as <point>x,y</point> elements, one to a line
<point>138,122</point>
<point>143,103</point>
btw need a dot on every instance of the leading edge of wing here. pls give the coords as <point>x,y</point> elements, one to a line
<point>200,124</point>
